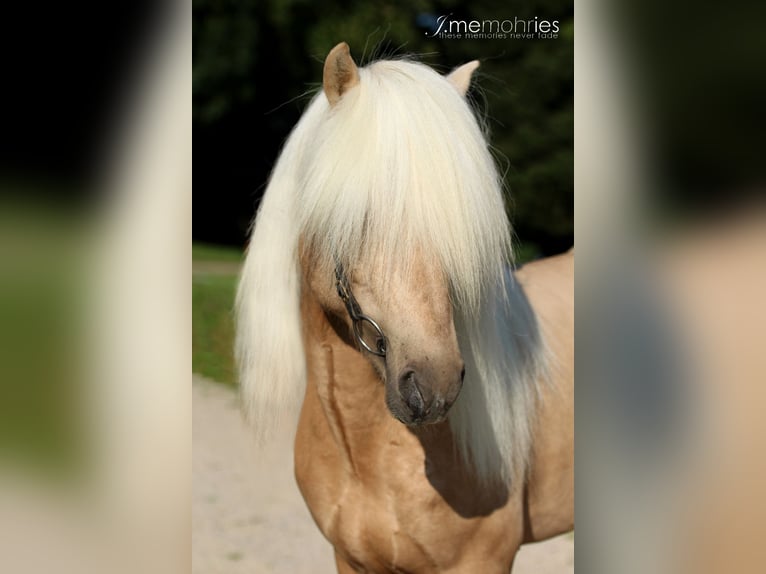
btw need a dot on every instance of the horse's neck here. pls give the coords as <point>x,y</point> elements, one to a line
<point>344,386</point>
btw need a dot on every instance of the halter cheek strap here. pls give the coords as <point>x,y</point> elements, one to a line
<point>358,318</point>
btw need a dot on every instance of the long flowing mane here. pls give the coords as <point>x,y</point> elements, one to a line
<point>398,165</point>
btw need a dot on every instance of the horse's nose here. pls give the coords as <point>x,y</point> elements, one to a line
<point>417,398</point>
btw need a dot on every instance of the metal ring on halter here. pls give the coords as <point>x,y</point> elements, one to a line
<point>381,338</point>
<point>355,313</point>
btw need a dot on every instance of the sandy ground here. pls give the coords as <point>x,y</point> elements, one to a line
<point>248,516</point>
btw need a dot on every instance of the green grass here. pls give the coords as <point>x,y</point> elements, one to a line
<point>213,313</point>
<point>209,252</point>
<point>42,295</point>
<point>213,326</point>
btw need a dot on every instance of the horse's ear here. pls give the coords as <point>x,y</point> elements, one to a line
<point>340,73</point>
<point>460,77</point>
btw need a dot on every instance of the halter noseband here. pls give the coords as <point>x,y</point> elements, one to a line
<point>358,319</point>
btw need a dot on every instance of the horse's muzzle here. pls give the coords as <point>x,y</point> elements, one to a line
<point>420,402</point>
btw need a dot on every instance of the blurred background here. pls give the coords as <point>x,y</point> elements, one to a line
<point>671,271</point>
<point>95,329</point>
<point>72,94</point>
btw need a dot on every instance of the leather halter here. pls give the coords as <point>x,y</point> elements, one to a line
<point>358,318</point>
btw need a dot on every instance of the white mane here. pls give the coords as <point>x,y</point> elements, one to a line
<point>398,164</point>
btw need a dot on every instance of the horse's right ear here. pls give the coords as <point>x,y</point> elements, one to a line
<point>340,73</point>
<point>460,77</point>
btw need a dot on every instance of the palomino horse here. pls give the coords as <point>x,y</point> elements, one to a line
<point>436,428</point>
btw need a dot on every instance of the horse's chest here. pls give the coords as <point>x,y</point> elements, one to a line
<point>381,527</point>
<point>389,517</point>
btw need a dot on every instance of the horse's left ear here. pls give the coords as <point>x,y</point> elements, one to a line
<point>340,73</point>
<point>460,77</point>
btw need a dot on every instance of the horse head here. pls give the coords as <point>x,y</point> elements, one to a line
<point>402,322</point>
<point>399,316</point>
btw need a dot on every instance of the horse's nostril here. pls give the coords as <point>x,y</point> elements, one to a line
<point>462,374</point>
<point>415,403</point>
<point>412,394</point>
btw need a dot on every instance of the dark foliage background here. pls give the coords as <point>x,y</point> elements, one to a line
<point>256,63</point>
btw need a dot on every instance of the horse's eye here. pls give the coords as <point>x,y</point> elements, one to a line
<point>381,345</point>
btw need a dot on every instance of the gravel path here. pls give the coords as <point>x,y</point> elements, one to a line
<point>248,516</point>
